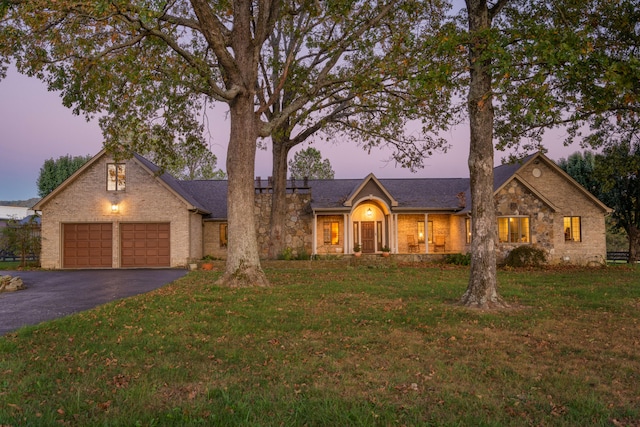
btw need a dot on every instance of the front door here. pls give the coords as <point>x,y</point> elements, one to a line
<point>368,237</point>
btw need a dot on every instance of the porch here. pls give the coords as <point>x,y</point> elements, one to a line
<point>373,228</point>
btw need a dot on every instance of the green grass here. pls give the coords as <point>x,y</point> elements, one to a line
<point>338,346</point>
<point>9,265</point>
<point>15,265</point>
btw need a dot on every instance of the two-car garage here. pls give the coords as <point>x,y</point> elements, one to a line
<point>90,245</point>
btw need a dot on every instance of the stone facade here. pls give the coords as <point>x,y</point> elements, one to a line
<point>297,232</point>
<point>516,200</point>
<point>546,195</point>
<point>298,220</point>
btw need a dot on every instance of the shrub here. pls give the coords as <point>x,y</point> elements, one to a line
<point>458,259</point>
<point>287,254</point>
<point>526,256</point>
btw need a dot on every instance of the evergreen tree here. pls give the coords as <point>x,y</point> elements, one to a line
<point>309,164</point>
<point>54,172</point>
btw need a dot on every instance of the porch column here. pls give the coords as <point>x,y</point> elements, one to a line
<point>314,231</point>
<point>347,232</point>
<point>394,236</point>
<point>426,233</point>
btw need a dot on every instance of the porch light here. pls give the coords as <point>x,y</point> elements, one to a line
<point>369,212</point>
<point>114,208</point>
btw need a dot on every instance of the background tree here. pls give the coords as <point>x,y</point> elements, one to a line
<point>54,172</point>
<point>618,171</point>
<point>581,166</point>
<point>23,238</point>
<point>308,163</point>
<point>191,160</point>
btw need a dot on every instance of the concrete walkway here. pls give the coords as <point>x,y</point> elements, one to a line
<point>52,294</point>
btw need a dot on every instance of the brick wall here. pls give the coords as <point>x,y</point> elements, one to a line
<point>86,199</point>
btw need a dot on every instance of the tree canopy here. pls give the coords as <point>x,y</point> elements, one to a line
<point>54,172</point>
<point>191,160</point>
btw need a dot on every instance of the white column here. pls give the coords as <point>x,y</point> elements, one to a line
<point>314,231</point>
<point>394,236</point>
<point>347,233</point>
<point>426,233</point>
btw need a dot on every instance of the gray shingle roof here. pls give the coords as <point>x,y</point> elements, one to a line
<point>418,193</point>
<point>173,183</point>
<point>210,196</point>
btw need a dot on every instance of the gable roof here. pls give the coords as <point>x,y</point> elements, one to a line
<point>539,157</point>
<point>370,178</point>
<point>165,179</point>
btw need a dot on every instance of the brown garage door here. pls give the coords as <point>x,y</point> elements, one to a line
<point>87,245</point>
<point>145,245</point>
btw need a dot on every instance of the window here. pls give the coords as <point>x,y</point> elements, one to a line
<point>331,233</point>
<point>379,234</point>
<point>115,177</point>
<point>572,229</point>
<point>467,229</point>
<point>514,230</point>
<point>430,224</point>
<point>421,231</point>
<point>224,237</point>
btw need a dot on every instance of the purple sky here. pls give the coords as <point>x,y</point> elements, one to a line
<point>35,127</point>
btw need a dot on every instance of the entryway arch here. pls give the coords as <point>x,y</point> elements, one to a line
<point>370,224</point>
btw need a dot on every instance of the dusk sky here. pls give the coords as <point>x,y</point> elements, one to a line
<point>35,127</point>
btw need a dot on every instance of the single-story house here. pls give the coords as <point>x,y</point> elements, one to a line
<point>128,214</point>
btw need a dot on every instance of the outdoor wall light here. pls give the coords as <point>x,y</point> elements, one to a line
<point>114,208</point>
<point>369,212</point>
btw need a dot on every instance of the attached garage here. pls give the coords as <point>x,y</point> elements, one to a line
<point>87,245</point>
<point>145,244</point>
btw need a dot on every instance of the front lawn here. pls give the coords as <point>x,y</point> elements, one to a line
<point>338,347</point>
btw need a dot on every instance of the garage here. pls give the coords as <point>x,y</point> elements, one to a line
<point>145,244</point>
<point>87,245</point>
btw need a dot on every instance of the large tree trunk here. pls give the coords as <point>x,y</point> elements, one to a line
<point>279,198</point>
<point>243,261</point>
<point>482,289</point>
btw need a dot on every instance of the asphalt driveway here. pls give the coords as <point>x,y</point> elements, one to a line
<point>52,294</point>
